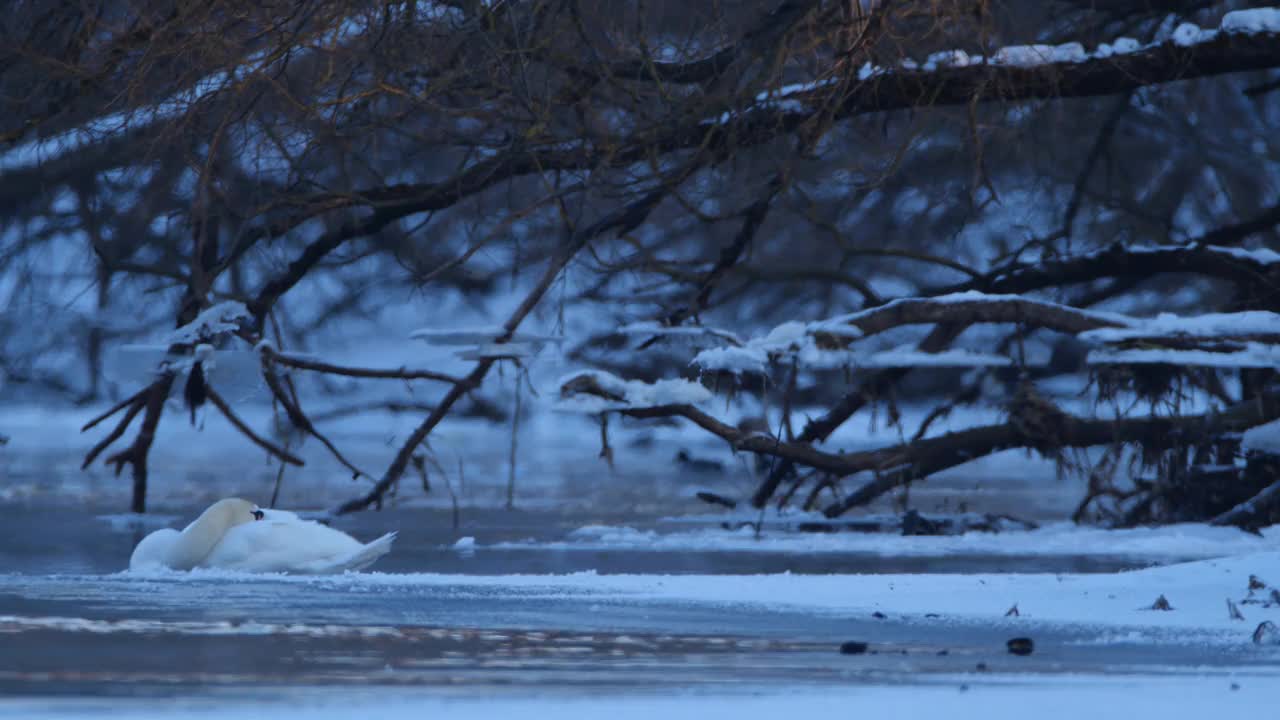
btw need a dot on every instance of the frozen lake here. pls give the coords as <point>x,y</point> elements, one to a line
<point>531,616</point>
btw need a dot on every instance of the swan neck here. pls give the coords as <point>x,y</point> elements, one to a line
<point>199,538</point>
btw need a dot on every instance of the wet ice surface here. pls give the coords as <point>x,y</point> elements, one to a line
<point>160,636</point>
<point>475,625</point>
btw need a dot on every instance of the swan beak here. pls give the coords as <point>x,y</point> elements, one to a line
<point>258,514</point>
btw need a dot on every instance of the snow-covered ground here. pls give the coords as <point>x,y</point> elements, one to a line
<point>1171,542</point>
<point>1197,591</point>
<point>1197,659</point>
<point>1059,698</point>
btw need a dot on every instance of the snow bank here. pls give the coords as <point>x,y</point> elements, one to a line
<point>1197,592</point>
<point>1172,542</point>
<point>991,697</point>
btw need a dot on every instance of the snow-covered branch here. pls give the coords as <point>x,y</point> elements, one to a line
<point>1245,40</point>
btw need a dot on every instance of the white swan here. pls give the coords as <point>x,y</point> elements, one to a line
<point>235,534</point>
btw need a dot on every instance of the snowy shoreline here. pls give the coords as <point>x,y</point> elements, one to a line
<point>1197,591</point>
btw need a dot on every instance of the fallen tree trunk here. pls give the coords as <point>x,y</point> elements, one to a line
<point>900,464</point>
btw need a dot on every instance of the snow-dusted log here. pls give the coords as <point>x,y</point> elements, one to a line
<point>1244,42</point>
<point>820,428</point>
<point>1249,339</point>
<point>908,462</point>
<point>973,307</point>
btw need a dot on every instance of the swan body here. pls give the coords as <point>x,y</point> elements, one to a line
<point>234,534</point>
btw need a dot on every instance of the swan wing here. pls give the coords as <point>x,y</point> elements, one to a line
<point>282,545</point>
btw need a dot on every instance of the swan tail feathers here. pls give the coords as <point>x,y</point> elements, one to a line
<point>367,555</point>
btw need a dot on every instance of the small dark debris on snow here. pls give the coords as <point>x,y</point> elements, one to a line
<point>1021,646</point>
<point>1235,686</point>
<point>714,499</point>
<point>1266,633</point>
<point>1013,611</point>
<point>932,615</point>
<point>1161,603</point>
<point>1233,612</point>
<point>944,651</point>
<point>853,647</point>
<point>879,615</point>
<point>699,465</point>
<point>913,523</point>
<point>1256,583</point>
<point>981,667</point>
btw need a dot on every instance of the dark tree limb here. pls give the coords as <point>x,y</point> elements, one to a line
<point>1004,309</point>
<point>1118,261</point>
<point>1099,148</point>
<point>918,460</point>
<point>135,405</point>
<point>136,454</point>
<point>752,220</point>
<point>320,366</point>
<point>1246,513</point>
<point>622,221</point>
<point>256,439</point>
<point>136,398</point>
<point>820,428</point>
<point>896,89</point>
<point>898,465</point>
<point>300,420</point>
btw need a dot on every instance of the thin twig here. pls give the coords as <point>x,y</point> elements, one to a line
<point>137,403</point>
<point>135,398</point>
<point>248,432</point>
<point>320,366</point>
